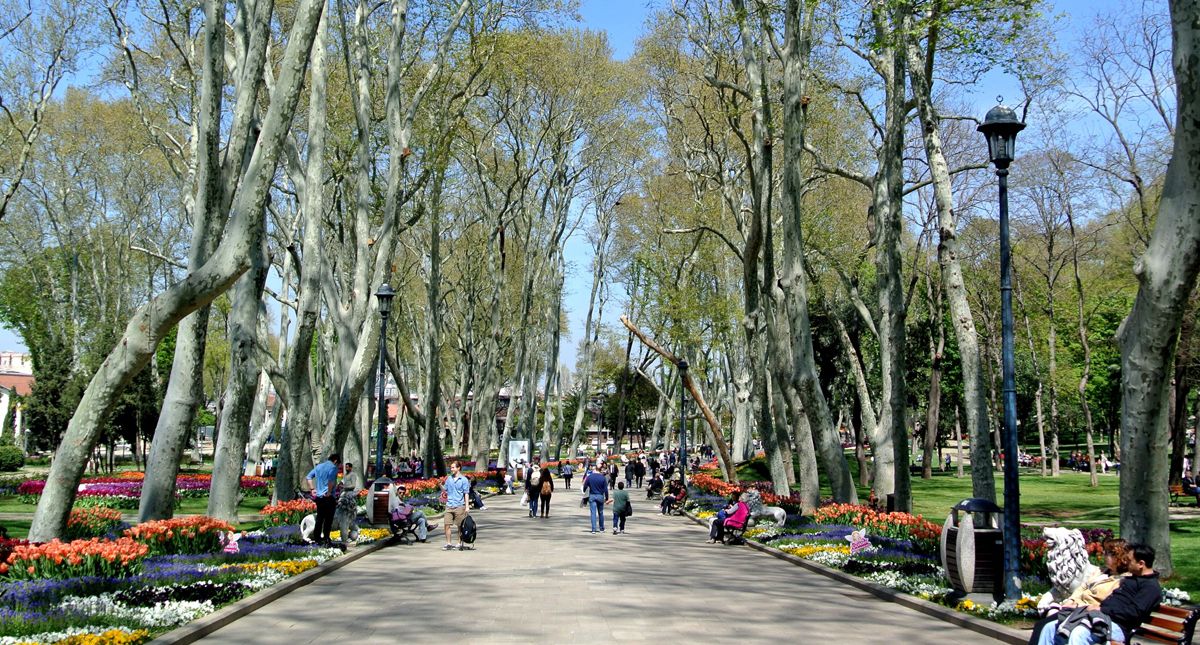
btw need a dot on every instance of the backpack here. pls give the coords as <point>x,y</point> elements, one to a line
<point>468,530</point>
<point>546,488</point>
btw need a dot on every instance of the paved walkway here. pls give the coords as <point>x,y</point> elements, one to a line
<point>550,580</point>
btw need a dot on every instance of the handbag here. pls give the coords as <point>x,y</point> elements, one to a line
<point>525,497</point>
<point>628,510</point>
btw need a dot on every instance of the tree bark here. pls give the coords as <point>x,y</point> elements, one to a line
<point>198,289</point>
<point>1148,336</point>
<point>727,467</point>
<point>983,483</point>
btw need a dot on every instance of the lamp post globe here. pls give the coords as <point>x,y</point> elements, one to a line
<point>1000,127</point>
<point>384,295</point>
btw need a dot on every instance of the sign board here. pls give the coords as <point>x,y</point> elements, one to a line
<point>518,451</point>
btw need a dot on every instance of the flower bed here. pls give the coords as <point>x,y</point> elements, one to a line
<point>98,521</point>
<point>119,591</point>
<point>716,486</point>
<point>285,513</point>
<point>181,535</point>
<point>903,554</point>
<point>56,559</point>
<point>125,491</point>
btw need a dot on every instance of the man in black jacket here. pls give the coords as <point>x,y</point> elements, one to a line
<point>1129,605</point>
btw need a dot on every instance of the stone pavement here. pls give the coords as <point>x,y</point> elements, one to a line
<point>533,580</point>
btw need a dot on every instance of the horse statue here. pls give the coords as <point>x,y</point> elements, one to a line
<point>753,499</point>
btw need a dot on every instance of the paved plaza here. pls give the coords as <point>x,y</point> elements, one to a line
<point>533,580</point>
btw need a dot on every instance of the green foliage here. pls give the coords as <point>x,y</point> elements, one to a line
<point>11,458</point>
<point>55,394</point>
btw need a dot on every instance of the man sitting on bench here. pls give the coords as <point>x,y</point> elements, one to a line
<point>1135,598</point>
<point>1189,488</point>
<point>404,518</point>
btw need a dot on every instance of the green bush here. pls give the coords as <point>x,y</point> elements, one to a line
<point>11,458</point>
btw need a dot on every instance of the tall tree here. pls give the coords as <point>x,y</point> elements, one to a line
<point>1166,276</point>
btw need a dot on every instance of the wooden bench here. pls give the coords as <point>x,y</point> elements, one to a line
<point>1176,492</point>
<point>1168,624</point>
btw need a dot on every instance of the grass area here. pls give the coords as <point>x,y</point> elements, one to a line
<point>1067,499</point>
<point>189,506</point>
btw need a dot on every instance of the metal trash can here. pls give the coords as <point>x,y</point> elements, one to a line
<point>377,510</point>
<point>972,547</point>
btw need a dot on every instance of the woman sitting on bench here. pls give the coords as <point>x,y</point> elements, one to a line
<point>733,516</point>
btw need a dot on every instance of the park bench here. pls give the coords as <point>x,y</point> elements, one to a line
<point>1176,492</point>
<point>1168,624</point>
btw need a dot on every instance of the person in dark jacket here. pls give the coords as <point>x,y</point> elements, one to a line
<point>596,487</point>
<point>545,488</point>
<point>1129,606</point>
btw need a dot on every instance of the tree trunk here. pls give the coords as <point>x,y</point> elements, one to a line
<point>1166,277</point>
<point>230,446</point>
<point>198,289</point>
<point>1087,353</point>
<point>1037,372</point>
<point>891,445</point>
<point>983,483</point>
<point>937,345</point>
<point>186,381</point>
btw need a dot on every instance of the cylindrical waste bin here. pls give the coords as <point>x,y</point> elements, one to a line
<point>377,509</point>
<point>973,547</point>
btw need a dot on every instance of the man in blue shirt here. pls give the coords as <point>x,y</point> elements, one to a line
<point>323,479</point>
<point>596,486</point>
<point>456,487</point>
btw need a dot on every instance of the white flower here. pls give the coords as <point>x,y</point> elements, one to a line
<point>264,579</point>
<point>163,614</point>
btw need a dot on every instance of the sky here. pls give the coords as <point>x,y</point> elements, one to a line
<point>623,20</point>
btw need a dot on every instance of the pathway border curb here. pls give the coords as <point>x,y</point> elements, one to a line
<point>985,627</point>
<point>201,627</point>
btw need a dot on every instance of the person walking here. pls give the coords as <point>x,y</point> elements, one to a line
<point>629,473</point>
<point>639,471</point>
<point>622,508</point>
<point>545,489</point>
<point>596,487</point>
<point>531,489</point>
<point>567,472</point>
<point>456,488</point>
<point>323,479</point>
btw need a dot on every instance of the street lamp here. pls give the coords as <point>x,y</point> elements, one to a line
<point>1000,128</point>
<point>683,366</point>
<point>385,295</point>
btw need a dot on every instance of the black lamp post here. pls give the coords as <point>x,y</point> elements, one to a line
<point>683,366</point>
<point>385,295</point>
<point>1000,128</point>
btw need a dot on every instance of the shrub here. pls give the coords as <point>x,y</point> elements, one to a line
<point>97,521</point>
<point>181,535</point>
<point>11,458</point>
